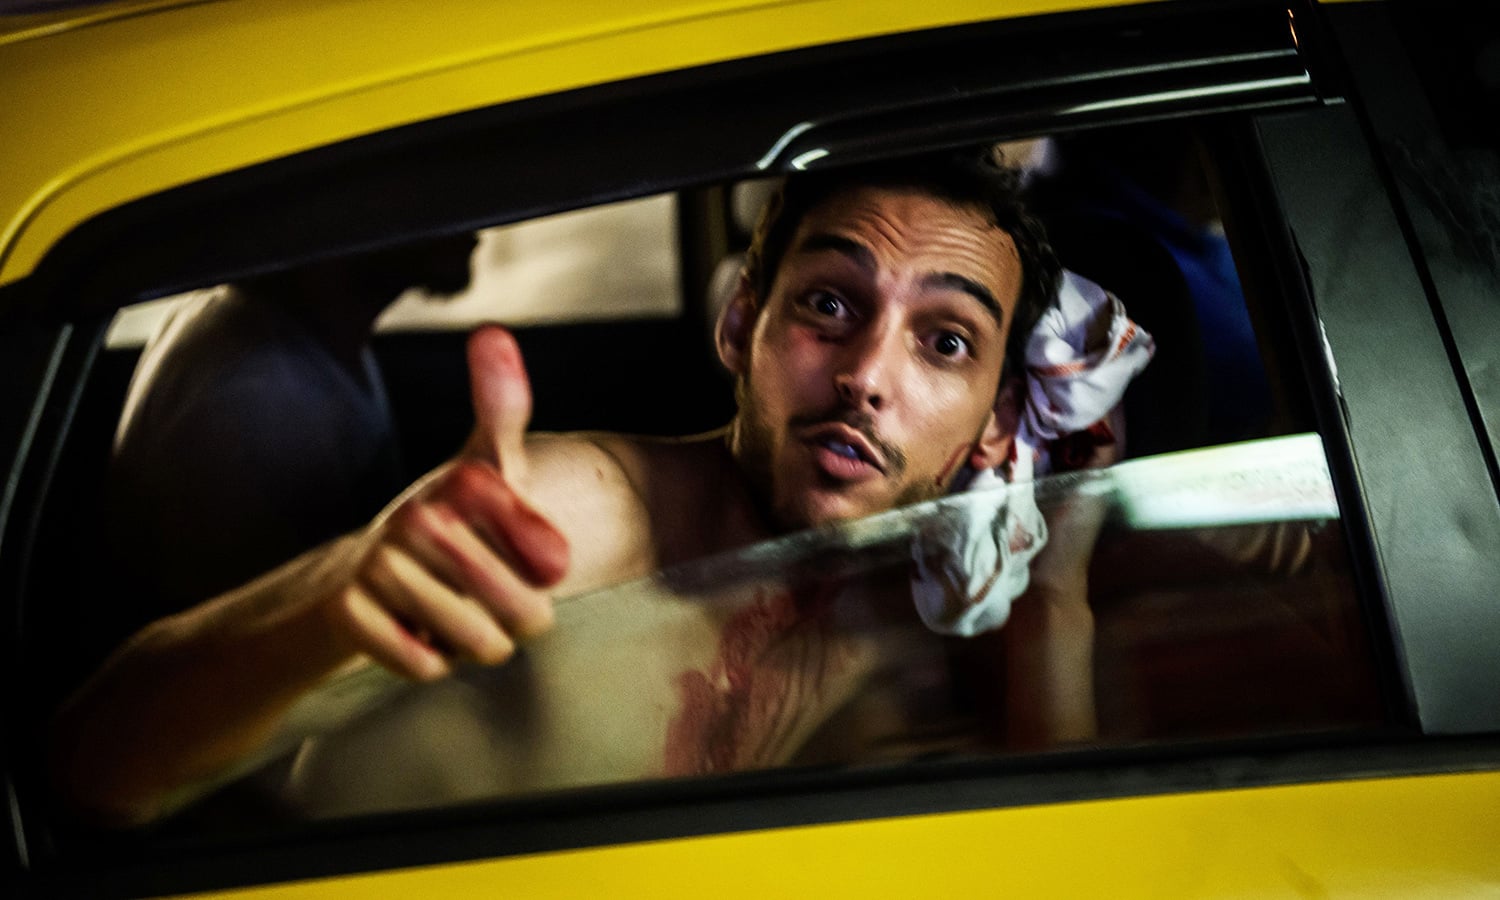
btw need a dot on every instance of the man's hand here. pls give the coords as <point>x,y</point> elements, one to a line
<point>458,567</point>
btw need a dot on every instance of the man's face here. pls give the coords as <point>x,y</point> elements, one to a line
<point>868,376</point>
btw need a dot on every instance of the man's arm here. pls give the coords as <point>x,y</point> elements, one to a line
<point>462,566</point>
<point>1049,640</point>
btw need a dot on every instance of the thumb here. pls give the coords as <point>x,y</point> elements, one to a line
<point>501,394</point>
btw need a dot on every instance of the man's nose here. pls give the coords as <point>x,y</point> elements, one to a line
<point>868,368</point>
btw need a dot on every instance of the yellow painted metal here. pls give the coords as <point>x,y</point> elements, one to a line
<point>126,101</point>
<point>1433,835</point>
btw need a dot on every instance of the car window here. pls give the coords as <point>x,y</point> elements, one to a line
<point>1219,596</point>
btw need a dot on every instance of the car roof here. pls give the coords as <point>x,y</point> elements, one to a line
<point>123,100</point>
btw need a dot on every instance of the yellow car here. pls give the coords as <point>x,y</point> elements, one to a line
<point>1296,674</point>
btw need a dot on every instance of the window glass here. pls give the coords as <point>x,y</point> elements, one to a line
<point>1220,598</point>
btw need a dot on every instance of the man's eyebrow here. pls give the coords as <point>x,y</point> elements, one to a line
<point>823,240</point>
<point>861,256</point>
<point>971,287</point>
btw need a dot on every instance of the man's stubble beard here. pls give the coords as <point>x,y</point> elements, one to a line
<point>750,443</point>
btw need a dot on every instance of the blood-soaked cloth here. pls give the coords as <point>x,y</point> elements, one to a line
<point>1080,358</point>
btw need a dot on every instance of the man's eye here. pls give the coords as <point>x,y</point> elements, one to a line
<point>826,304</point>
<point>949,344</point>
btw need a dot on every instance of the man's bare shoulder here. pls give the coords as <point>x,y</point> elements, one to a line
<point>611,462</point>
<point>679,498</point>
<point>629,504</point>
<point>649,459</point>
<point>700,501</point>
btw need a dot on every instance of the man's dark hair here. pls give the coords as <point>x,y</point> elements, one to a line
<point>966,178</point>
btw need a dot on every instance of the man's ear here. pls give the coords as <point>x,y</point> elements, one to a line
<point>736,324</point>
<point>999,434</point>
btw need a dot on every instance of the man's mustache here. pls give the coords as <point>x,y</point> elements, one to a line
<point>864,423</point>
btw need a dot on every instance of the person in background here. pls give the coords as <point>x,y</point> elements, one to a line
<point>256,425</point>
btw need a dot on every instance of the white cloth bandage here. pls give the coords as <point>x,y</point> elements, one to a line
<point>1082,355</point>
<point>976,559</point>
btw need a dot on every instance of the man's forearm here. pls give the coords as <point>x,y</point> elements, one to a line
<point>1049,677</point>
<point>193,694</point>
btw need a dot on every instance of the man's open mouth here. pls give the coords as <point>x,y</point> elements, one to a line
<point>849,454</point>
<point>849,451</point>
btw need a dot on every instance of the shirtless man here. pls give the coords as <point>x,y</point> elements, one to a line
<point>868,338</point>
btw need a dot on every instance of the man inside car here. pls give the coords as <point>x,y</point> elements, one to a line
<point>868,338</point>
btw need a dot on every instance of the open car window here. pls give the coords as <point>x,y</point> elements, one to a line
<point>1222,594</point>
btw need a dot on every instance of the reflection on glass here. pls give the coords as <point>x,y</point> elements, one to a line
<point>1222,601</point>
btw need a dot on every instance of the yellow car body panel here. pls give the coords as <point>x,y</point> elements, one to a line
<point>1420,836</point>
<point>109,106</point>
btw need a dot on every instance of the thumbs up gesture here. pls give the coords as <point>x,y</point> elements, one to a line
<point>459,566</point>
